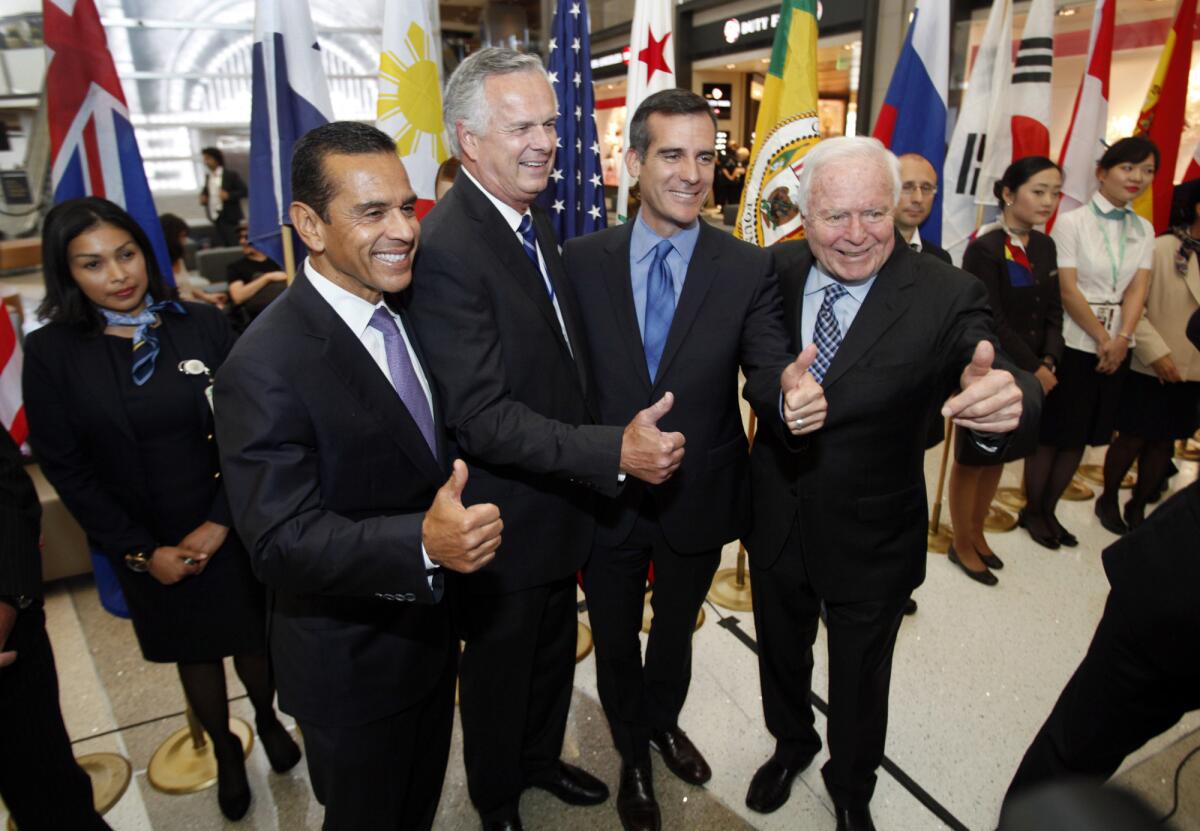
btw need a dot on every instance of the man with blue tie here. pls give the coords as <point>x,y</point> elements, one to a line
<point>840,515</point>
<point>326,415</point>
<point>674,306</point>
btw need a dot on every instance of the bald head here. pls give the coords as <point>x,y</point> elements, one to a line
<point>918,186</point>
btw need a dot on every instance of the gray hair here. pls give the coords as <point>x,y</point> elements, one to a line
<point>464,100</point>
<point>857,149</point>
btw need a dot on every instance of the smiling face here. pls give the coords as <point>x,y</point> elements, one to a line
<point>109,268</point>
<point>677,173</point>
<point>849,221</point>
<point>1126,181</point>
<point>512,157</point>
<point>368,243</point>
<point>1035,201</point>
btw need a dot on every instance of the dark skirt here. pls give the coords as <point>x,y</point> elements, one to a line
<point>1082,409</point>
<point>1159,412</point>
<point>967,452</point>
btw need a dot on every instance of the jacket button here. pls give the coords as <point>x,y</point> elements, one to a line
<point>217,475</point>
<point>209,437</point>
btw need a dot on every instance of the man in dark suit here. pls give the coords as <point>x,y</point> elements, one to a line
<point>325,418</point>
<point>222,196</point>
<point>918,187</point>
<point>672,304</point>
<point>493,307</point>
<point>840,516</point>
<point>40,782</point>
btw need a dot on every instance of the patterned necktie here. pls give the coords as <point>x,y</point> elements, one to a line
<point>660,306</point>
<point>529,243</point>
<point>404,375</point>
<point>828,335</point>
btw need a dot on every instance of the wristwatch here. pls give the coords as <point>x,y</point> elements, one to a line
<point>1048,362</point>
<point>138,561</point>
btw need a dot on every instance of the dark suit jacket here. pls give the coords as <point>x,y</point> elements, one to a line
<point>330,477</point>
<point>231,208</point>
<point>515,395</point>
<point>85,442</point>
<point>1028,318</point>
<point>20,525</point>
<point>728,317</point>
<point>857,486</point>
<point>936,251</point>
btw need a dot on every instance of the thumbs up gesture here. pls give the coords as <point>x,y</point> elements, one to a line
<point>648,453</point>
<point>990,401</point>
<point>456,537</point>
<point>804,404</point>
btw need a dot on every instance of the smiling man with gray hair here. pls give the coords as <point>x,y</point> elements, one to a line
<point>840,513</point>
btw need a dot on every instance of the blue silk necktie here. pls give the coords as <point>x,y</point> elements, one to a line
<point>660,307</point>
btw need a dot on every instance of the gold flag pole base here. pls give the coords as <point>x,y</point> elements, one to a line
<point>185,763</point>
<point>110,775</point>
<point>1011,498</point>
<point>938,542</point>
<point>1078,491</point>
<point>648,615</point>
<point>999,520</point>
<point>1188,450</point>
<point>731,586</point>
<point>1095,475</point>
<point>583,642</point>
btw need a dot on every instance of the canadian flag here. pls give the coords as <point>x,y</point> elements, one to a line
<point>1084,144</point>
<point>12,408</point>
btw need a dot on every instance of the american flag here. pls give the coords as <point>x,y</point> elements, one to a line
<point>575,196</point>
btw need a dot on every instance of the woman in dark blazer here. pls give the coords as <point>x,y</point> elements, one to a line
<point>116,392</point>
<point>1018,266</point>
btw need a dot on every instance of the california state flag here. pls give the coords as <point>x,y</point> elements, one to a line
<point>651,68</point>
<point>410,92</point>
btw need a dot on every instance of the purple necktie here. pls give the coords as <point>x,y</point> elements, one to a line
<point>404,376</point>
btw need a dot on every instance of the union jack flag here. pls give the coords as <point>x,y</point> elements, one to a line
<point>93,151</point>
<point>575,196</point>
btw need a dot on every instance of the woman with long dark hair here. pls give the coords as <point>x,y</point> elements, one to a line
<point>117,393</point>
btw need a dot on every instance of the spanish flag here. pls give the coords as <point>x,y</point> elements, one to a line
<point>787,127</point>
<point>1161,119</point>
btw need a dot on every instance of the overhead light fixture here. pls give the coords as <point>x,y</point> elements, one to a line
<point>731,66</point>
<point>1066,12</point>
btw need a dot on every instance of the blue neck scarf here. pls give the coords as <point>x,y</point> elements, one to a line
<point>145,338</point>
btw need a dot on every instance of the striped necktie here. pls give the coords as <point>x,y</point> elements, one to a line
<point>828,335</point>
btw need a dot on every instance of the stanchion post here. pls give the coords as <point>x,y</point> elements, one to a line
<point>289,252</point>
<point>731,586</point>
<point>938,536</point>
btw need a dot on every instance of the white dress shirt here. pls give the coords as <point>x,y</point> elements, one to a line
<point>356,313</point>
<point>1092,245</point>
<point>215,202</point>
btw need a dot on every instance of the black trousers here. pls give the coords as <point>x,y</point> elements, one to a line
<point>1118,699</point>
<point>637,698</point>
<point>227,231</point>
<point>41,784</point>
<point>518,667</point>
<point>861,637</point>
<point>385,774</point>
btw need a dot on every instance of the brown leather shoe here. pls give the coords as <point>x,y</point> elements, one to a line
<point>636,805</point>
<point>681,756</point>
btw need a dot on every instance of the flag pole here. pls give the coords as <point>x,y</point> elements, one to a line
<point>731,586</point>
<point>939,535</point>
<point>289,254</point>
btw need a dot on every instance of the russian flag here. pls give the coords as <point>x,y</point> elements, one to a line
<point>93,150</point>
<point>290,97</point>
<point>913,116</point>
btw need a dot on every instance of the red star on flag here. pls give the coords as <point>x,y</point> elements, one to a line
<point>653,55</point>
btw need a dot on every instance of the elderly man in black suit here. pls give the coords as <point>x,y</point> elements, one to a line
<point>674,305</point>
<point>840,514</point>
<point>501,323</point>
<point>326,417</point>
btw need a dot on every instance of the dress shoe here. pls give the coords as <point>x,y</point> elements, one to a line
<point>282,751</point>
<point>510,823</point>
<point>1044,540</point>
<point>636,805</point>
<point>233,788</point>
<point>1066,539</point>
<point>681,756</point>
<point>910,607</point>
<point>991,561</point>
<point>572,785</point>
<point>854,819</point>
<point>1110,518</point>
<point>1134,516</point>
<point>772,785</point>
<point>985,576</point>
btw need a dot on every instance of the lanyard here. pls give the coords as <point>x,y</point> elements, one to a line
<point>1114,263</point>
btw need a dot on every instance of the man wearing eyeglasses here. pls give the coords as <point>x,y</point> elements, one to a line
<point>840,513</point>
<point>918,187</point>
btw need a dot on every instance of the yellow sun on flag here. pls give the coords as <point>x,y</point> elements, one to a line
<point>409,93</point>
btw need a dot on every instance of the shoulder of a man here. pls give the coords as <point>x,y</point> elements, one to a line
<point>787,256</point>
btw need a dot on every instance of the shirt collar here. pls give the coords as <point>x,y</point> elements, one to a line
<point>352,309</point>
<point>819,279</point>
<point>510,214</point>
<point>916,239</point>
<point>1105,206</point>
<point>644,239</point>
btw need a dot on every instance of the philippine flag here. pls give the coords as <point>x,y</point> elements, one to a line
<point>290,97</point>
<point>913,116</point>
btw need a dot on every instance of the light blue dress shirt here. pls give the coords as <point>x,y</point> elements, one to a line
<point>845,310</point>
<point>641,254</point>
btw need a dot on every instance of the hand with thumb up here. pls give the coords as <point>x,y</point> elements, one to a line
<point>456,537</point>
<point>648,453</point>
<point>990,401</point>
<point>804,404</point>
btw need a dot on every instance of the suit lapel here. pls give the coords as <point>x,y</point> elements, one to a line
<point>702,270</point>
<point>619,283</point>
<point>548,243</point>
<point>884,304</point>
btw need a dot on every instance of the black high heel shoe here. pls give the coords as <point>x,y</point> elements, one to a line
<point>282,751</point>
<point>1134,515</point>
<point>1044,540</point>
<point>1110,518</point>
<point>233,788</point>
<point>985,576</point>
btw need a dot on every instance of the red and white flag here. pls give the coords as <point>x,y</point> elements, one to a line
<point>1031,78</point>
<point>12,407</point>
<point>1084,144</point>
<point>1193,168</point>
<point>998,152</point>
<point>651,68</point>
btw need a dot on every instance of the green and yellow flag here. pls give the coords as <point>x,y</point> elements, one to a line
<point>787,127</point>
